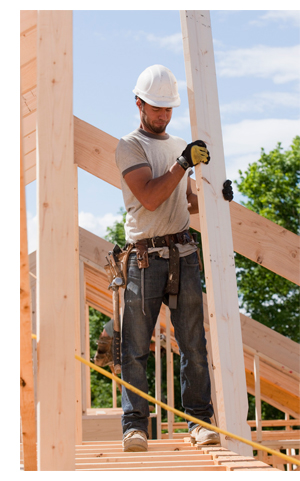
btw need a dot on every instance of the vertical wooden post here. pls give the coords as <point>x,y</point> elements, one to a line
<point>56,271</point>
<point>78,424</point>
<point>26,365</point>
<point>211,368</point>
<point>87,357</point>
<point>83,333</point>
<point>170,374</point>
<point>158,377</point>
<point>257,403</point>
<point>216,232</point>
<point>289,466</point>
<point>114,394</point>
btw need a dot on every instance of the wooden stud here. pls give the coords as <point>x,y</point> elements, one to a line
<point>257,404</point>
<point>170,376</point>
<point>158,377</point>
<point>26,365</point>
<point>83,334</point>
<point>87,356</point>
<point>78,396</point>
<point>56,273</point>
<point>214,214</point>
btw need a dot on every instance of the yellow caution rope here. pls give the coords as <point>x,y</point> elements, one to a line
<point>256,446</point>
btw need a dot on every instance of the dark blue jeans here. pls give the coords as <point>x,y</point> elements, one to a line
<point>138,328</point>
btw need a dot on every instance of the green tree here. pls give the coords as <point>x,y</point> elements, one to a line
<point>116,233</point>
<point>101,386</point>
<point>271,186</point>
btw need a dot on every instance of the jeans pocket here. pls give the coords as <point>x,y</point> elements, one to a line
<point>191,259</point>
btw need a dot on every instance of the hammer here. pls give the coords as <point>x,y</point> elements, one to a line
<point>114,286</point>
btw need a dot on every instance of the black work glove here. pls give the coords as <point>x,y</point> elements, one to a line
<point>193,154</point>
<point>227,190</point>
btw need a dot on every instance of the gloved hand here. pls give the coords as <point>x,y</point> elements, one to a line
<point>193,154</point>
<point>227,190</point>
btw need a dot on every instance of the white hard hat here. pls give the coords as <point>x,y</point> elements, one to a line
<point>158,87</point>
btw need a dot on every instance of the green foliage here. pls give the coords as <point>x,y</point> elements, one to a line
<point>272,187</point>
<point>116,233</point>
<point>101,386</point>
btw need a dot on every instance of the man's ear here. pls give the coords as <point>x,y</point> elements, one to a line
<point>139,103</point>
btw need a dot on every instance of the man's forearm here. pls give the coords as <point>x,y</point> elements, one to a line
<point>153,192</point>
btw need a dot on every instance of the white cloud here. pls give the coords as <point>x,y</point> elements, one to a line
<point>263,101</point>
<point>283,17</point>
<point>97,225</point>
<point>180,122</point>
<point>279,63</point>
<point>169,42</point>
<point>90,222</point>
<point>243,141</point>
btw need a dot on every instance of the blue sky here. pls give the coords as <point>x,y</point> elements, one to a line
<point>257,56</point>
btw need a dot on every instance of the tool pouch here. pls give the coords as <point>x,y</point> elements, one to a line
<point>121,260</point>
<point>142,254</point>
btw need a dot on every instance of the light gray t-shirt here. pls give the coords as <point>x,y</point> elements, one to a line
<point>159,152</point>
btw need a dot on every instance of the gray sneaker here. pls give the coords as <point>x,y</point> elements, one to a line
<point>135,441</point>
<point>201,435</point>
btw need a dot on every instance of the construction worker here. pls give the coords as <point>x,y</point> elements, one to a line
<point>163,266</point>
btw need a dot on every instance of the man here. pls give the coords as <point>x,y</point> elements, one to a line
<point>163,266</point>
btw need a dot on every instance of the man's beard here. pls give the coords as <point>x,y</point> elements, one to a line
<point>157,129</point>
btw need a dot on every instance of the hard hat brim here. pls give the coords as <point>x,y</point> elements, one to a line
<point>163,103</point>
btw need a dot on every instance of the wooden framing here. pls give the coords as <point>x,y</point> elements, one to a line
<point>27,402</point>
<point>158,377</point>
<point>46,55</point>
<point>254,237</point>
<point>170,374</point>
<point>56,269</point>
<point>214,214</point>
<point>78,391</point>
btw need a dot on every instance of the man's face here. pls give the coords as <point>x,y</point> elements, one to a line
<point>154,119</point>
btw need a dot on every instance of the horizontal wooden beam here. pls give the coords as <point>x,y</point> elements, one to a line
<point>279,377</point>
<point>28,50</point>
<point>254,237</point>
<point>95,152</point>
<point>28,20</point>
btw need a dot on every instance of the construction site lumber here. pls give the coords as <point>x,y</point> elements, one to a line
<point>56,266</point>
<point>216,235</point>
<point>279,356</point>
<point>254,237</point>
<point>27,401</point>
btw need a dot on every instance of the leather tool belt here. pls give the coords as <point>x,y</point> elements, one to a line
<point>169,240</point>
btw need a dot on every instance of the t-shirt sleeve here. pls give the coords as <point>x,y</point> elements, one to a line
<point>130,156</point>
